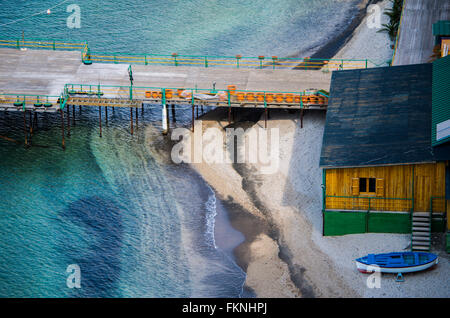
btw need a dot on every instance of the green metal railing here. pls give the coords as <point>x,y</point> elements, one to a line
<point>437,204</point>
<point>175,59</point>
<point>225,96</point>
<point>230,61</point>
<point>362,203</point>
<point>21,101</point>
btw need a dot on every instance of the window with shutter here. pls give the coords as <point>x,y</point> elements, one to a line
<point>355,186</point>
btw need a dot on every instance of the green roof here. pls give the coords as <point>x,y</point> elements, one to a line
<point>440,128</point>
<point>441,28</point>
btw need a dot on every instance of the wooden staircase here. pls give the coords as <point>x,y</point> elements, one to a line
<point>421,231</point>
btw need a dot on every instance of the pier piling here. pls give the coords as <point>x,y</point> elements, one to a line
<point>62,129</point>
<point>165,120</point>
<point>173,114</point>
<point>100,120</point>
<point>137,118</point>
<point>25,130</point>
<point>131,120</point>
<point>68,121</point>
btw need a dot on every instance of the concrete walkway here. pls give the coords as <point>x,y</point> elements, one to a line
<point>45,72</point>
<point>416,41</point>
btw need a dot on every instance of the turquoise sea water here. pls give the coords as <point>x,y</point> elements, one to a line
<point>135,226</point>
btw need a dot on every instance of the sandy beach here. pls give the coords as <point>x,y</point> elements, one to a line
<point>284,253</point>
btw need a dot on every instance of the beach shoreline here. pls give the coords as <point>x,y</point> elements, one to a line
<point>331,47</point>
<point>244,208</point>
<point>284,253</point>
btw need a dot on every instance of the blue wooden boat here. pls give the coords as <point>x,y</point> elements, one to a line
<point>403,262</point>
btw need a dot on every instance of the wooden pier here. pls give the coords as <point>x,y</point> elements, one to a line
<point>39,81</point>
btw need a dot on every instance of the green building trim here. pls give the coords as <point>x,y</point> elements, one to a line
<point>337,223</point>
<point>441,100</point>
<point>441,28</point>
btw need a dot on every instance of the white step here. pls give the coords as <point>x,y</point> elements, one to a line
<point>422,234</point>
<point>421,238</point>
<point>426,214</point>
<point>420,219</point>
<point>421,248</point>
<point>424,224</point>
<point>421,229</point>
<point>420,243</point>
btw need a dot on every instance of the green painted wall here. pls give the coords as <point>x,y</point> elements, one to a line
<point>389,223</point>
<point>341,223</point>
<point>438,225</point>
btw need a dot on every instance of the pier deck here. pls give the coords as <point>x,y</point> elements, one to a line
<point>46,72</point>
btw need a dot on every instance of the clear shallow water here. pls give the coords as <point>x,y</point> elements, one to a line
<point>213,27</point>
<point>136,227</point>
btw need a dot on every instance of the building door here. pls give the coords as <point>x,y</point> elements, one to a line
<point>422,193</point>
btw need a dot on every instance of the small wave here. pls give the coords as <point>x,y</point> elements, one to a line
<point>211,212</point>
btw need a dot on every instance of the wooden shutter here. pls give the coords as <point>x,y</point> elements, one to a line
<point>355,186</point>
<point>380,187</point>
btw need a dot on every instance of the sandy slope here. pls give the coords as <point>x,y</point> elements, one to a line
<point>285,254</point>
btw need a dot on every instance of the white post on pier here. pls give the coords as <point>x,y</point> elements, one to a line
<point>165,126</point>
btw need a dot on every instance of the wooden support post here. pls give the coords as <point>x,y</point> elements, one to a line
<point>301,118</point>
<point>100,120</point>
<point>35,121</point>
<point>137,118</point>
<point>265,117</point>
<point>131,119</point>
<point>173,114</point>
<point>229,115</point>
<point>73,112</point>
<point>193,120</point>
<point>62,129</point>
<point>68,121</point>
<point>202,109</point>
<point>31,124</point>
<point>79,108</point>
<point>106,115</point>
<point>25,130</point>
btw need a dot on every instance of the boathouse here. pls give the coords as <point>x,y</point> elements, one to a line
<point>380,171</point>
<point>440,127</point>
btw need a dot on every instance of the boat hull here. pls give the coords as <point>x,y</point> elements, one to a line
<point>364,268</point>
